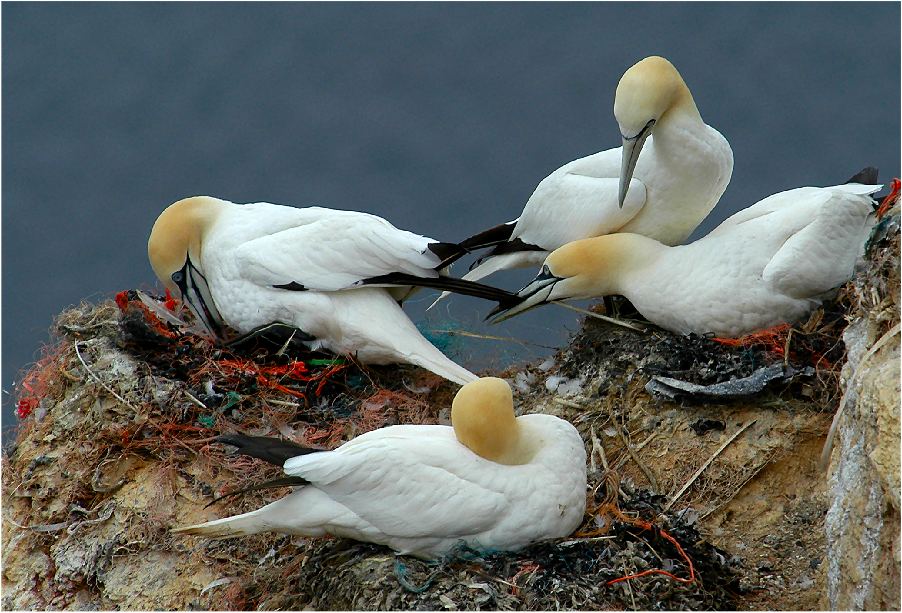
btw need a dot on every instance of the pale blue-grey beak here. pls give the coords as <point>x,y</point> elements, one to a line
<point>196,293</point>
<point>632,146</point>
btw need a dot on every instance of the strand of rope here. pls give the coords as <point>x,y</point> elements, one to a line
<point>610,507</point>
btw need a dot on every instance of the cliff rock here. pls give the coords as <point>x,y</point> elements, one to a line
<point>705,489</point>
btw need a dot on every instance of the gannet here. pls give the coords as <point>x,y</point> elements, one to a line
<point>684,168</point>
<point>492,480</point>
<point>334,275</point>
<point>768,264</point>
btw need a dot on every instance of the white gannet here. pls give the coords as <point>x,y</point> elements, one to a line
<point>769,264</point>
<point>334,275</point>
<point>492,480</point>
<point>664,194</point>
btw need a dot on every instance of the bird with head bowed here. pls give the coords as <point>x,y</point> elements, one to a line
<point>336,276</point>
<point>664,193</point>
<point>491,480</point>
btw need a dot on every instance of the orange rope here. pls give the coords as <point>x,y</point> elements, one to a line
<point>609,506</point>
<point>296,370</point>
<point>37,381</point>
<point>526,568</point>
<point>124,304</point>
<point>170,303</point>
<point>658,571</point>
<point>774,339</point>
<point>325,376</point>
<point>891,199</point>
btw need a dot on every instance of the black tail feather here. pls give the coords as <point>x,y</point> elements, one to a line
<point>273,450</point>
<point>493,236</point>
<point>266,485</point>
<point>275,333</point>
<point>865,176</point>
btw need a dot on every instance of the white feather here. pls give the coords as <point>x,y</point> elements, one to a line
<point>251,249</point>
<point>766,265</point>
<point>324,249</point>
<point>419,491</point>
<point>681,173</point>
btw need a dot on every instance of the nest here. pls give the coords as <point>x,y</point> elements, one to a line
<point>115,447</point>
<point>582,572</point>
<point>125,402</point>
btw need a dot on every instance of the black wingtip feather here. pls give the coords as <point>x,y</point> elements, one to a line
<point>514,246</point>
<point>294,286</point>
<point>447,252</point>
<point>266,485</point>
<point>865,176</point>
<point>451,284</point>
<point>493,236</point>
<point>273,450</point>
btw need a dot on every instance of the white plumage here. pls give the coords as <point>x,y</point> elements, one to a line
<point>420,490</point>
<point>768,264</point>
<point>683,170</point>
<point>335,275</point>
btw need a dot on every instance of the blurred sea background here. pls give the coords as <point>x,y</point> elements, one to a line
<point>440,117</point>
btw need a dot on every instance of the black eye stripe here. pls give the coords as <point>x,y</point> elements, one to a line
<point>194,283</point>
<point>648,126</point>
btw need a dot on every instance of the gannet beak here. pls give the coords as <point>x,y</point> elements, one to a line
<point>535,293</point>
<point>632,146</point>
<point>196,293</point>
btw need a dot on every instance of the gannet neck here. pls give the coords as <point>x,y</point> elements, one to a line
<point>178,234</point>
<point>652,90</point>
<point>482,414</point>
<point>682,106</point>
<point>602,265</point>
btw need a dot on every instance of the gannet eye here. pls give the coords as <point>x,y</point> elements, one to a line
<point>177,277</point>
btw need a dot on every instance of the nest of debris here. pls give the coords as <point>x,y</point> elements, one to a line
<point>811,351</point>
<point>629,558</point>
<point>116,446</point>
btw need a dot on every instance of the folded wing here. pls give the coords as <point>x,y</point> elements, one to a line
<point>570,206</point>
<point>425,485</point>
<point>821,254</point>
<point>336,251</point>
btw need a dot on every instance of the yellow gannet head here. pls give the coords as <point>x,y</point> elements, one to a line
<point>482,415</point>
<point>586,268</point>
<point>645,94</point>
<point>174,249</point>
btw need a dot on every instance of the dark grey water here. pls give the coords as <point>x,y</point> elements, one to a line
<point>440,117</point>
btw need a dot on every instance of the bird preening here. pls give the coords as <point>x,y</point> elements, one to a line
<point>611,223</point>
<point>336,276</point>
<point>664,179</point>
